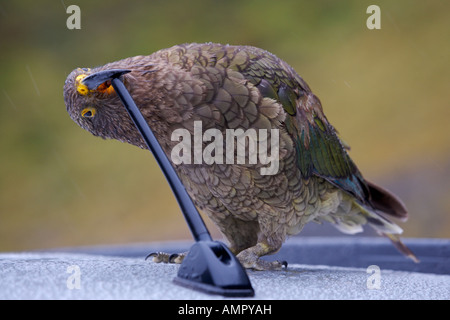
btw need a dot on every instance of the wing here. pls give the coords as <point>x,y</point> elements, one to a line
<point>320,152</point>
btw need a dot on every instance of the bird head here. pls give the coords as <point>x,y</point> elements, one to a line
<point>93,104</point>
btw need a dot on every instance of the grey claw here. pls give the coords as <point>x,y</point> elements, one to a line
<point>173,257</point>
<point>153,254</point>
<point>159,257</point>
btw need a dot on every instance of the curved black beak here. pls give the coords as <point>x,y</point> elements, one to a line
<point>94,80</point>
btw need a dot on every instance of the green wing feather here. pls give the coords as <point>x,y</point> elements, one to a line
<point>319,149</point>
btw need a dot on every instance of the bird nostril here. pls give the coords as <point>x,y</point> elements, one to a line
<point>81,88</point>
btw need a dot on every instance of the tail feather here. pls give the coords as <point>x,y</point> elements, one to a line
<point>388,229</point>
<point>397,242</point>
<point>378,222</point>
<point>388,203</point>
<point>379,205</point>
<point>385,201</point>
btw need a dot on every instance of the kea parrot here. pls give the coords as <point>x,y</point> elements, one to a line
<point>226,87</point>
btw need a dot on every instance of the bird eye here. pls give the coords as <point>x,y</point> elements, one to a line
<point>88,112</point>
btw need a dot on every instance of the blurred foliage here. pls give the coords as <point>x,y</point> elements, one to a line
<point>386,91</point>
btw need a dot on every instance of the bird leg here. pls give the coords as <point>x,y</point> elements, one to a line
<point>248,243</point>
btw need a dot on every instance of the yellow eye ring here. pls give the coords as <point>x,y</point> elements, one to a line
<point>88,112</point>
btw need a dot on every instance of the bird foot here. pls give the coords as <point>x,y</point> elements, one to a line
<point>262,265</point>
<point>164,257</point>
<point>251,262</point>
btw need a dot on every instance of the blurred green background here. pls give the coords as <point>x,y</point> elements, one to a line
<point>387,91</point>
